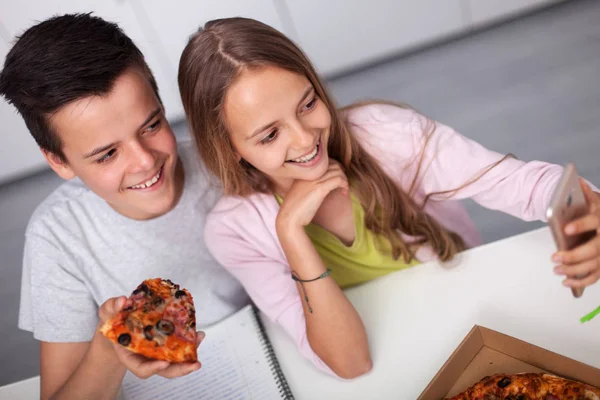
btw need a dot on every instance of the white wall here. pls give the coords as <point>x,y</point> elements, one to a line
<point>336,34</point>
<point>341,34</point>
<point>169,28</point>
<point>485,11</point>
<point>19,154</point>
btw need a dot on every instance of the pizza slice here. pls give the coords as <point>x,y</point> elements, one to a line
<point>528,386</point>
<point>499,386</point>
<point>563,388</point>
<point>157,321</point>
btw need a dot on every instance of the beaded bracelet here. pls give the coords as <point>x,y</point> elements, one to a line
<point>302,281</point>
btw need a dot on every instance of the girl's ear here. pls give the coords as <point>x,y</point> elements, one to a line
<point>237,156</point>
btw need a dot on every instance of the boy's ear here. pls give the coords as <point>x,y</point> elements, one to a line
<point>61,167</point>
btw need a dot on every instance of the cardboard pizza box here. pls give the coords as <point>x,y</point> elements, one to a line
<point>485,352</point>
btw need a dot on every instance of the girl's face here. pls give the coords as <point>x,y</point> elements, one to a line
<point>278,124</point>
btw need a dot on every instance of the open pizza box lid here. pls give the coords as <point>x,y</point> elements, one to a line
<point>485,352</point>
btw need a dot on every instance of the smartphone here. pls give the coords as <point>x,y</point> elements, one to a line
<point>567,204</point>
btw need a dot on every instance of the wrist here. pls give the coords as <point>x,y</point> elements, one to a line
<point>102,351</point>
<point>286,229</point>
<point>98,375</point>
<point>303,279</point>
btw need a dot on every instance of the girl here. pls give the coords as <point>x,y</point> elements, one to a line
<point>320,199</point>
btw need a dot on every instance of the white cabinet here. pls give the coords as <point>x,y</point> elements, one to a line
<point>21,16</point>
<point>341,34</point>
<point>485,11</point>
<point>19,153</point>
<point>168,26</point>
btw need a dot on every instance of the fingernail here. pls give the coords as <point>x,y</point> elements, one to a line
<point>559,270</point>
<point>570,229</point>
<point>557,258</point>
<point>565,283</point>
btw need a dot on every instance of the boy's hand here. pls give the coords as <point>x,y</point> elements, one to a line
<point>584,260</point>
<point>141,366</point>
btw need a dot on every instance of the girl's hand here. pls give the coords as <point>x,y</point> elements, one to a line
<point>581,265</point>
<point>305,197</point>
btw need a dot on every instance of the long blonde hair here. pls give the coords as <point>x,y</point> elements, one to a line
<point>211,61</point>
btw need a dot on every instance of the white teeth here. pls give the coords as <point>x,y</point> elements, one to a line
<point>149,182</point>
<point>308,157</point>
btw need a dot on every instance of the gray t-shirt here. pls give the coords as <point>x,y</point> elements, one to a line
<point>79,252</point>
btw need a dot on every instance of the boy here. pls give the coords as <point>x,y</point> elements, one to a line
<point>133,207</point>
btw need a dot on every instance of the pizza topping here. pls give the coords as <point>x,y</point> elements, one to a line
<point>142,288</point>
<point>168,281</point>
<point>487,381</point>
<point>157,301</point>
<point>124,339</point>
<point>157,321</point>
<point>148,332</point>
<point>165,327</point>
<point>160,340</point>
<point>589,395</point>
<point>504,382</point>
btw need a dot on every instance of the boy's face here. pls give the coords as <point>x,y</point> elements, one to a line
<point>121,146</point>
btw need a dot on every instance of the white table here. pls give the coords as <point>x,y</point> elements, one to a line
<point>415,318</point>
<point>27,389</point>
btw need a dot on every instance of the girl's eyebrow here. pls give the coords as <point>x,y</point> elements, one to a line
<point>259,130</point>
<point>306,93</point>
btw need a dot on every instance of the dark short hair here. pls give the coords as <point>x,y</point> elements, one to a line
<point>63,59</point>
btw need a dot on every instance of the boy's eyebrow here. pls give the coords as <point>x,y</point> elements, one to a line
<point>108,146</point>
<point>307,92</point>
<point>99,150</point>
<point>151,117</point>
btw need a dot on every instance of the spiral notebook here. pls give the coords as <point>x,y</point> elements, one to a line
<point>238,362</point>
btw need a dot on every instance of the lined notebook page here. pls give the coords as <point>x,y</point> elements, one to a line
<point>235,365</point>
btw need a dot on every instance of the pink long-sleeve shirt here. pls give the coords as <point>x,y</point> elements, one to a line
<point>241,234</point>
